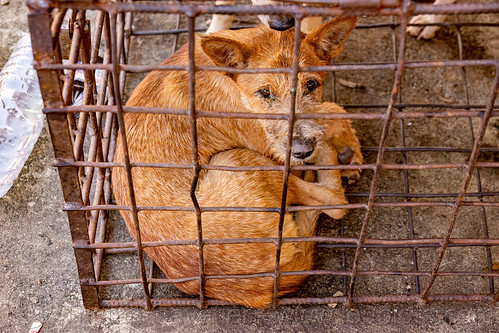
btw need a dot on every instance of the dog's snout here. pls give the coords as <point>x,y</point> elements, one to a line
<point>302,149</point>
<point>281,22</point>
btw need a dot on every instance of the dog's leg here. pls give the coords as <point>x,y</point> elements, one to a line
<point>306,221</point>
<point>427,32</point>
<point>302,192</point>
<point>322,187</point>
<point>221,22</point>
<point>327,155</point>
<point>340,134</point>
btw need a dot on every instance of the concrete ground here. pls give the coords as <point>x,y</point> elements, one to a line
<point>38,272</point>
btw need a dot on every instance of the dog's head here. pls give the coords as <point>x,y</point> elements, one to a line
<point>272,92</point>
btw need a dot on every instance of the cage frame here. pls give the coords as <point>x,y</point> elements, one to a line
<point>88,243</point>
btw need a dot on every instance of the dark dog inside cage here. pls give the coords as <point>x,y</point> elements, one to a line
<point>420,224</point>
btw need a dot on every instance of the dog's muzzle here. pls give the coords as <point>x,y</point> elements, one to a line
<point>301,149</point>
<point>281,23</point>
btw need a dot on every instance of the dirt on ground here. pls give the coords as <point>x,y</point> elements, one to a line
<point>38,270</point>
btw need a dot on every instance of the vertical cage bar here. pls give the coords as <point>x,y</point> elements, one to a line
<point>381,150</point>
<point>151,276</point>
<point>102,27</point>
<point>100,217</point>
<point>99,188</point>
<point>69,78</point>
<point>409,209</point>
<point>470,168</point>
<point>82,35</point>
<point>125,27</point>
<point>175,36</point>
<point>96,37</point>
<point>334,99</point>
<point>285,179</point>
<point>343,258</point>
<point>55,30</point>
<point>195,156</point>
<point>50,86</point>
<point>109,142</point>
<point>333,84</point>
<point>67,89</point>
<point>405,171</point>
<point>100,220</point>
<point>128,169</point>
<point>477,171</point>
<point>95,149</point>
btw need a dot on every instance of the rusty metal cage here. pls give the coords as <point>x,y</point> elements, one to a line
<point>423,219</point>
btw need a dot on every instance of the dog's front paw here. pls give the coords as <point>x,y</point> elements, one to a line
<point>335,213</point>
<point>350,155</point>
<point>425,32</point>
<point>341,136</point>
<point>336,197</point>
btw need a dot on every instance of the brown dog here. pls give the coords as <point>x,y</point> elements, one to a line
<point>236,142</point>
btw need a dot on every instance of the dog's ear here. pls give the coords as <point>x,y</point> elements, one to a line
<point>225,52</point>
<point>328,38</point>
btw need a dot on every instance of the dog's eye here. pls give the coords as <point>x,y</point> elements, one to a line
<point>265,93</point>
<point>312,85</point>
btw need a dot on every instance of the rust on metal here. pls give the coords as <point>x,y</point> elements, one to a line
<point>84,138</point>
<point>51,90</point>
<point>287,165</point>
<point>195,156</point>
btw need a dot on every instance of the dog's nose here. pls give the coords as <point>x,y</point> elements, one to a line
<point>281,22</point>
<point>302,149</point>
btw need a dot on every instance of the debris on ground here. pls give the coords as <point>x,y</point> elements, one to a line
<point>35,327</point>
<point>336,294</point>
<point>350,84</point>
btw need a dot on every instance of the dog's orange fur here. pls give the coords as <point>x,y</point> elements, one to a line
<point>235,142</point>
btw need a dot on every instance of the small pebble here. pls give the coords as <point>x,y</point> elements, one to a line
<point>5,2</point>
<point>336,294</point>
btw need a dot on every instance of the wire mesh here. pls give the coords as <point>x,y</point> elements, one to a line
<point>400,241</point>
